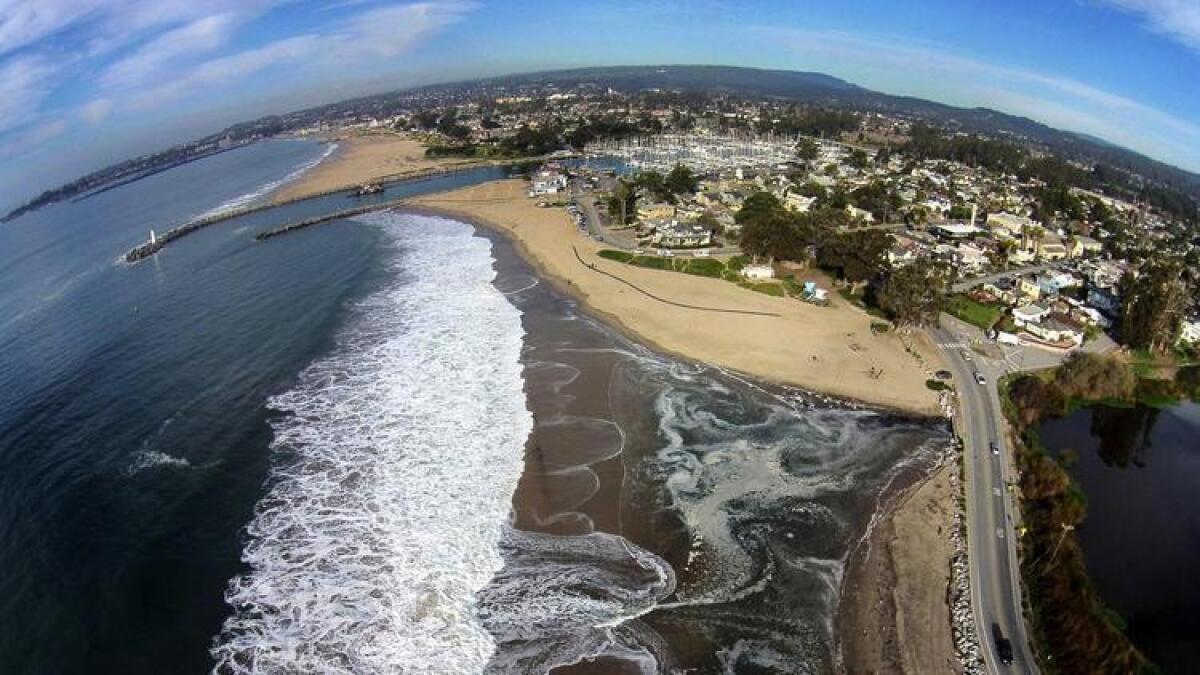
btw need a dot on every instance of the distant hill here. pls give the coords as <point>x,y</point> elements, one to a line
<point>815,88</point>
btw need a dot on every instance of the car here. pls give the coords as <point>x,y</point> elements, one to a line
<point>980,378</point>
<point>966,355</point>
<point>1004,650</point>
<point>994,448</point>
<point>943,375</point>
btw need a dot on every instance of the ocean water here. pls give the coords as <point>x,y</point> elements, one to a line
<point>384,445</point>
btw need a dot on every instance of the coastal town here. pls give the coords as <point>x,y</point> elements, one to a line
<point>1024,256</point>
<point>884,259</point>
<point>1032,258</point>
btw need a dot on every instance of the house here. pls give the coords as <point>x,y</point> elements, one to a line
<point>655,210</point>
<point>1029,314</point>
<point>758,272</point>
<point>899,256</point>
<point>1052,283</point>
<point>860,214</point>
<point>674,234</point>
<point>1051,247</point>
<point>1028,289</point>
<point>1078,247</point>
<point>547,182</point>
<point>1058,328</point>
<point>1008,225</point>
<point>1106,300</point>
<point>970,257</point>
<point>798,202</point>
<point>955,230</point>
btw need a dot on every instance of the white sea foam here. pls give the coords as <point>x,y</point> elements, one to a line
<point>153,459</point>
<point>394,477</point>
<point>268,187</point>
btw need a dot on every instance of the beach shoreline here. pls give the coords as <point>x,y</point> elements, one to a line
<point>894,614</point>
<point>566,259</point>
<point>910,532</point>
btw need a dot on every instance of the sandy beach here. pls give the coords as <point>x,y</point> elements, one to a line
<point>894,615</point>
<point>830,350</point>
<point>359,159</point>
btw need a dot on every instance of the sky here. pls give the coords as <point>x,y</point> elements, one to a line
<point>85,83</point>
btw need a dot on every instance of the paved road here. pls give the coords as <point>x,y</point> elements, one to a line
<point>968,284</point>
<point>995,587</point>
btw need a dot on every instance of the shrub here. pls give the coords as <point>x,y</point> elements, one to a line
<point>619,256</point>
<point>1093,377</point>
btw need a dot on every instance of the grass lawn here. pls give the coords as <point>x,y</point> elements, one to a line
<point>974,313</point>
<point>765,288</point>
<point>701,267</point>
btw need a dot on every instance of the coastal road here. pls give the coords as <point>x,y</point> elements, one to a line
<point>991,531</point>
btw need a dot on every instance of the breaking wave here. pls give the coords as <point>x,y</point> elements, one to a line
<point>268,187</point>
<point>394,473</point>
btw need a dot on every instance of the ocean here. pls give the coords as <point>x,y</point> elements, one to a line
<point>385,445</point>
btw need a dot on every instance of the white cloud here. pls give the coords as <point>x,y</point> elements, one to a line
<point>24,85</point>
<point>366,39</point>
<point>1177,19</point>
<point>96,111</point>
<point>931,71</point>
<point>199,36</point>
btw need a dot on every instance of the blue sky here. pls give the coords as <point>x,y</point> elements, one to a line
<point>84,83</point>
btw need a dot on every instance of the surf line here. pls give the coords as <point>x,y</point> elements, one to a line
<point>592,266</point>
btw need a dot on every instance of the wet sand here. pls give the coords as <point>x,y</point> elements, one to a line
<point>595,468</point>
<point>894,615</point>
<point>825,349</point>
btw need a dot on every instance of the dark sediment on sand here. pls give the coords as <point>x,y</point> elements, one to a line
<point>750,496</point>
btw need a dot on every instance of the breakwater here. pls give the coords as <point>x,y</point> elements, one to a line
<point>317,220</point>
<point>149,248</point>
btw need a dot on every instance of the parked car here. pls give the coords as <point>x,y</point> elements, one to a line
<point>943,375</point>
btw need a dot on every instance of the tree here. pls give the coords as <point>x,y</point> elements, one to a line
<point>757,205</point>
<point>622,204</point>
<point>914,294</point>
<point>855,256</point>
<point>681,180</point>
<point>1035,399</point>
<point>1152,306</point>
<point>1094,377</point>
<point>771,236</point>
<point>858,159</point>
<point>807,149</point>
<point>709,221</point>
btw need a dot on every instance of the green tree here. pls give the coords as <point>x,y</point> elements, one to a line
<point>622,204</point>
<point>681,180</point>
<point>1152,306</point>
<point>807,149</point>
<point>914,294</point>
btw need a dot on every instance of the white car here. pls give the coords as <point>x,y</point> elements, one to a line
<point>980,378</point>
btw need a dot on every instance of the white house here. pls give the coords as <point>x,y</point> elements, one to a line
<point>547,183</point>
<point>1029,314</point>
